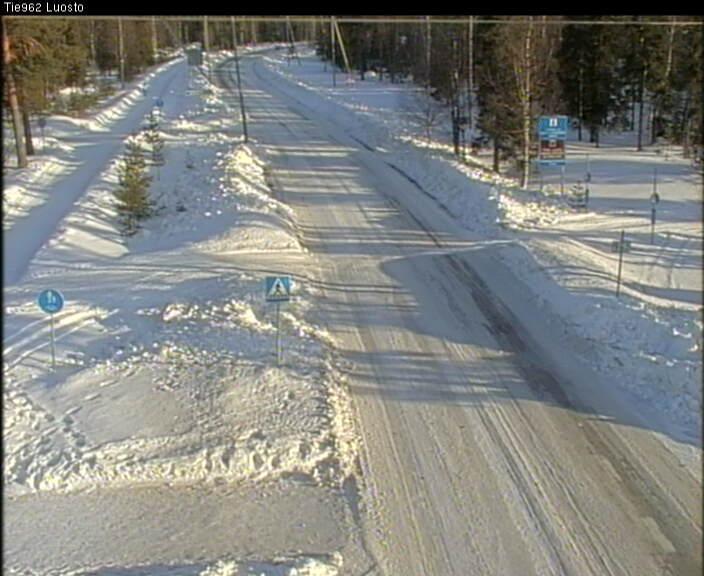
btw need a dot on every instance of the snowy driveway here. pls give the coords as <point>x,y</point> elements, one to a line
<point>487,448</point>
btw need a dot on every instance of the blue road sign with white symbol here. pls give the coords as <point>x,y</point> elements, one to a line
<point>552,127</point>
<point>51,301</point>
<point>552,133</point>
<point>278,288</point>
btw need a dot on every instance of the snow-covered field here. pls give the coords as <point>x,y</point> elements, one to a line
<point>165,349</point>
<point>650,339</point>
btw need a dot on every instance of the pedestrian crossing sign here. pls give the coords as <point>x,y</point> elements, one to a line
<point>278,288</point>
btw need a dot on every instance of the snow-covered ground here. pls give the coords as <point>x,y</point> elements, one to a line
<point>166,376</point>
<point>167,408</point>
<point>650,339</point>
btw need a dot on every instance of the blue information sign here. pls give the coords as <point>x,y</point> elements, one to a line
<point>552,127</point>
<point>51,301</point>
<point>278,288</point>
<point>552,133</point>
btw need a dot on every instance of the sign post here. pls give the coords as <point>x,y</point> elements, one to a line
<point>588,177</point>
<point>620,246</point>
<point>42,125</point>
<point>654,199</point>
<point>278,289</point>
<point>51,302</point>
<point>589,171</point>
<point>562,180</point>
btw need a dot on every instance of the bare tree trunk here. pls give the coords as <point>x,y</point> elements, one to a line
<point>526,105</point>
<point>155,46</point>
<point>27,129</point>
<point>428,52</point>
<point>121,51</point>
<point>92,42</point>
<point>253,29</point>
<point>641,98</point>
<point>13,101</point>
<point>633,109</point>
<point>581,99</point>
<point>685,128</point>
<point>670,45</point>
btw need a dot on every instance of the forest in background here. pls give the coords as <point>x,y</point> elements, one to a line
<point>624,73</point>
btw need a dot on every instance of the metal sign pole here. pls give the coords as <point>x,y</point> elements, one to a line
<point>653,204</point>
<point>277,290</point>
<point>278,332</point>
<point>589,172</point>
<point>620,263</point>
<point>562,180</point>
<point>332,39</point>
<point>53,350</point>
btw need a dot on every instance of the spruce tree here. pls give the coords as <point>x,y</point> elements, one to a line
<point>133,191</point>
<point>155,140</point>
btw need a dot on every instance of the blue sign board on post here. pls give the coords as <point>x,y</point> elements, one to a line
<point>278,288</point>
<point>51,301</point>
<point>553,127</point>
<point>552,133</point>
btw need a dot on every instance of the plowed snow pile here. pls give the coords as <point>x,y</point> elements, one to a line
<point>166,367</point>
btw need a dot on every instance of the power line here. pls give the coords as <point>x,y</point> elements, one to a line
<point>379,20</point>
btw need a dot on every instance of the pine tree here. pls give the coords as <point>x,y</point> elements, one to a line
<point>590,75</point>
<point>517,80</point>
<point>133,191</point>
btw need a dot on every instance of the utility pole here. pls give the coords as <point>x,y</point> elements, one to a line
<point>239,80</point>
<point>121,48</point>
<point>332,39</point>
<point>470,73</point>
<point>205,47</point>
<point>154,40</point>
<point>343,52</point>
<point>428,40</point>
<point>654,199</point>
<point>621,247</point>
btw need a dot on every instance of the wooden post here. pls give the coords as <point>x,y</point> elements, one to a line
<point>121,48</point>
<point>620,263</point>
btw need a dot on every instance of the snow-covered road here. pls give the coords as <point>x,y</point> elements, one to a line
<point>488,447</point>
